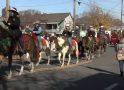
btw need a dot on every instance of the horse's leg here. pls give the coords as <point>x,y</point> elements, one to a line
<point>48,54</point>
<point>32,67</point>
<point>1,59</point>
<point>63,60</point>
<point>22,66</point>
<point>99,51</point>
<point>28,58</point>
<point>104,48</point>
<point>77,57</point>
<point>10,66</point>
<point>88,55</point>
<point>59,57</point>
<point>31,62</point>
<point>39,59</point>
<point>48,60</point>
<point>69,55</point>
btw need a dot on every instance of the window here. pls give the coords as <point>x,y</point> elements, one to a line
<point>49,26</point>
<point>54,26</point>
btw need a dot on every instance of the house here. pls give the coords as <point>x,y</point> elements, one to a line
<point>56,22</point>
<point>81,22</point>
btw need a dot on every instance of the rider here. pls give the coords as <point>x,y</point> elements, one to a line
<point>102,31</point>
<point>13,24</point>
<point>68,34</point>
<point>37,30</point>
<point>77,32</point>
<point>91,32</point>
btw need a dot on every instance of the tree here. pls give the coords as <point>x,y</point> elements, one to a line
<point>95,16</point>
<point>29,16</point>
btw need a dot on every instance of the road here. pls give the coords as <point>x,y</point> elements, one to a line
<point>102,73</point>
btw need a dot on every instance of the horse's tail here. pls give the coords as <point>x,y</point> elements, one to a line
<point>76,48</point>
<point>35,55</point>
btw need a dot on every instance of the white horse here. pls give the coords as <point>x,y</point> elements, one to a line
<point>64,50</point>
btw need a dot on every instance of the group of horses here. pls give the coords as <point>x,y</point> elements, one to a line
<point>80,47</point>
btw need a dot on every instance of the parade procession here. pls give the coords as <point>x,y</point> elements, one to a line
<point>46,46</point>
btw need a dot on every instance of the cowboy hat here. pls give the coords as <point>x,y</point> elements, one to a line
<point>101,26</point>
<point>13,10</point>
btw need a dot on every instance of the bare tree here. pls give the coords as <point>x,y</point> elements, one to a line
<point>96,16</point>
<point>29,16</point>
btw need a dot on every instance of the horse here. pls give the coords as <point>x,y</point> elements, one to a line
<point>102,43</point>
<point>80,43</point>
<point>46,49</point>
<point>88,46</point>
<point>11,47</point>
<point>63,48</point>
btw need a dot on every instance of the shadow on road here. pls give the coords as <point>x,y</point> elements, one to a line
<point>3,83</point>
<point>105,80</point>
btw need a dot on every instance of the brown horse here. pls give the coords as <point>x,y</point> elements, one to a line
<point>10,48</point>
<point>102,44</point>
<point>88,45</point>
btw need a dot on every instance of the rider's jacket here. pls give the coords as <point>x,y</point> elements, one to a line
<point>37,30</point>
<point>14,22</point>
<point>101,31</point>
<point>90,33</point>
<point>67,33</point>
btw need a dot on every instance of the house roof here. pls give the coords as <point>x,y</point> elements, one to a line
<point>54,17</point>
<point>79,21</point>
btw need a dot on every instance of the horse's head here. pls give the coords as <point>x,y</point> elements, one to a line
<point>54,43</point>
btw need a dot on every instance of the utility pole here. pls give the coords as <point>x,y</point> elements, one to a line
<point>121,14</point>
<point>7,8</point>
<point>74,13</point>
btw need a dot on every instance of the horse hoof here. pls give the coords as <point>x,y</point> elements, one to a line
<point>77,62</point>
<point>37,64</point>
<point>62,65</point>
<point>9,76</point>
<point>20,73</point>
<point>31,71</point>
<point>48,64</point>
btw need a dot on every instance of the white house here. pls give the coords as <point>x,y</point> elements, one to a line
<point>56,22</point>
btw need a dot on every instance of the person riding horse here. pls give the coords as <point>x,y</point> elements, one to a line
<point>13,24</point>
<point>101,31</point>
<point>91,32</point>
<point>37,30</point>
<point>68,34</point>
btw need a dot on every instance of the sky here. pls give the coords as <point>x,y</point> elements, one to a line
<point>61,6</point>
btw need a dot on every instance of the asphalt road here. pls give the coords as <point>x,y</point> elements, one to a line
<point>100,74</point>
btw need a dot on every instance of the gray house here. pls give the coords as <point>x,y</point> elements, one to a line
<point>56,22</point>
